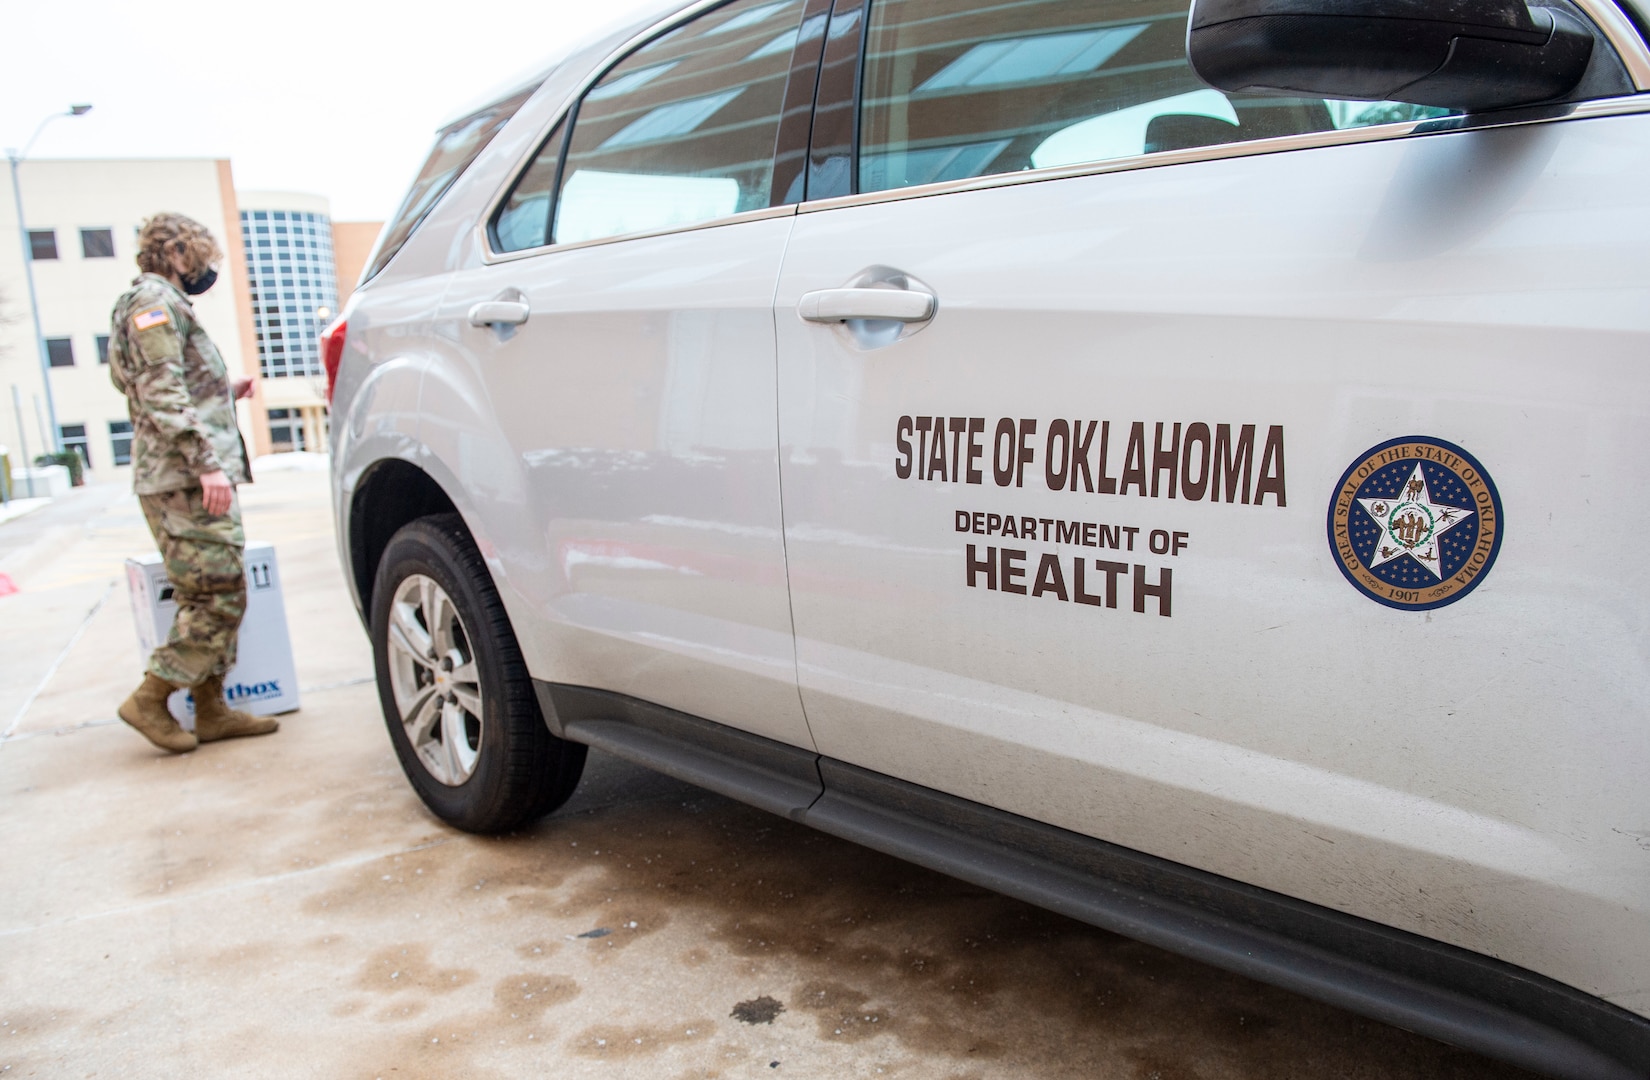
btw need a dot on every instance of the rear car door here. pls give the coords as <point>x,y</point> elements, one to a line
<point>620,337</point>
<point>1241,480</point>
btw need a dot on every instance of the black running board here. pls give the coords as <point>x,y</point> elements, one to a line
<point>1447,993</point>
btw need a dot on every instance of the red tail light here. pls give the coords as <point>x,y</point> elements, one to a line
<point>332,352</point>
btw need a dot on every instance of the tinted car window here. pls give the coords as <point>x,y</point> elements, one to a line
<point>524,220</point>
<point>456,145</point>
<point>959,89</point>
<point>682,130</point>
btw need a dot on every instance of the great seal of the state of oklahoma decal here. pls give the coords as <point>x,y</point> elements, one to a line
<point>1415,523</point>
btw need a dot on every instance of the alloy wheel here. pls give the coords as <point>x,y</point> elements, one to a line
<point>434,678</point>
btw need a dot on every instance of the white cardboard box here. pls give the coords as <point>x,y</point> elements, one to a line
<point>263,680</point>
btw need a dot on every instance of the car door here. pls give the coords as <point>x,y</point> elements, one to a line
<point>619,347</point>
<point>1229,478</point>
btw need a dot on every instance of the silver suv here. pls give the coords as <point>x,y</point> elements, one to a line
<point>1173,467</point>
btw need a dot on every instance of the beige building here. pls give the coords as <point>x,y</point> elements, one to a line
<point>279,286</point>
<point>83,218</point>
<point>352,243</point>
<point>20,380</point>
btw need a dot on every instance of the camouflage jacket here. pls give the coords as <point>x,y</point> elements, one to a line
<point>177,391</point>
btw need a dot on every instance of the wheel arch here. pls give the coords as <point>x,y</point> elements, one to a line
<point>391,494</point>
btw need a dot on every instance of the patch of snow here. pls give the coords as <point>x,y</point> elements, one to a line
<point>16,508</point>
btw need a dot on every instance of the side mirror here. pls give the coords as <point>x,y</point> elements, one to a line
<point>1458,54</point>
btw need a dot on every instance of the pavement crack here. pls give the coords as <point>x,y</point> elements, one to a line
<point>66,729</point>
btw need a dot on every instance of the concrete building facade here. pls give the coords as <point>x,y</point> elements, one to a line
<point>286,272</point>
<point>82,224</point>
<point>20,376</point>
<point>352,244</point>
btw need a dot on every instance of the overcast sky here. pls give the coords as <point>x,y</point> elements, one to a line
<point>335,97</point>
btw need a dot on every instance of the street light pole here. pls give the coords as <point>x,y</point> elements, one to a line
<point>15,158</point>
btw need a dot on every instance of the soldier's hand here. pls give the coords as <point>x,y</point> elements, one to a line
<point>217,493</point>
<point>242,387</point>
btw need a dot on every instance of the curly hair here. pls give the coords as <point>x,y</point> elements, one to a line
<point>165,235</point>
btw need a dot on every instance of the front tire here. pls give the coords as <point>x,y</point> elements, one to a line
<point>456,695</point>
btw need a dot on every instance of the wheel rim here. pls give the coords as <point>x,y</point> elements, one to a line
<point>434,678</point>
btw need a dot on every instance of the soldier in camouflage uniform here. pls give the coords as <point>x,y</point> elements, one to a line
<point>187,457</point>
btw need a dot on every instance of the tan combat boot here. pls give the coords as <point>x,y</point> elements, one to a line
<point>146,711</point>
<point>215,720</point>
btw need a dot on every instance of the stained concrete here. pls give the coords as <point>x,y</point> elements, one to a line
<point>285,907</point>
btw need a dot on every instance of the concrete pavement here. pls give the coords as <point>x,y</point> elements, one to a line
<point>284,907</point>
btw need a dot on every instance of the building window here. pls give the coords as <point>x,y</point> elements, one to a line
<point>286,430</point>
<point>73,437</point>
<point>120,441</point>
<point>59,352</point>
<point>279,258</point>
<point>42,244</point>
<point>102,348</point>
<point>97,243</point>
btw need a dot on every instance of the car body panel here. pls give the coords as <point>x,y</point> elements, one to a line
<point>619,451</point>
<point>375,404</point>
<point>688,495</point>
<point>1470,773</point>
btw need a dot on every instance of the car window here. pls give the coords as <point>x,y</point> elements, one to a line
<point>680,131</point>
<point>524,219</point>
<point>456,146</point>
<point>960,88</point>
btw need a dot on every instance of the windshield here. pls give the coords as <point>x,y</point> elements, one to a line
<point>456,145</point>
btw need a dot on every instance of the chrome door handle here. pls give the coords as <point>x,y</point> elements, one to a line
<point>494,312</point>
<point>840,305</point>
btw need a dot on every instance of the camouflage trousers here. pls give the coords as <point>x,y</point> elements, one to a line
<point>204,562</point>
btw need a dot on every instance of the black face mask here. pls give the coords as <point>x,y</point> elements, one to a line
<point>202,281</point>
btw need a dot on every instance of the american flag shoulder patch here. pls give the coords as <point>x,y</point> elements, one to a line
<point>148,320</point>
